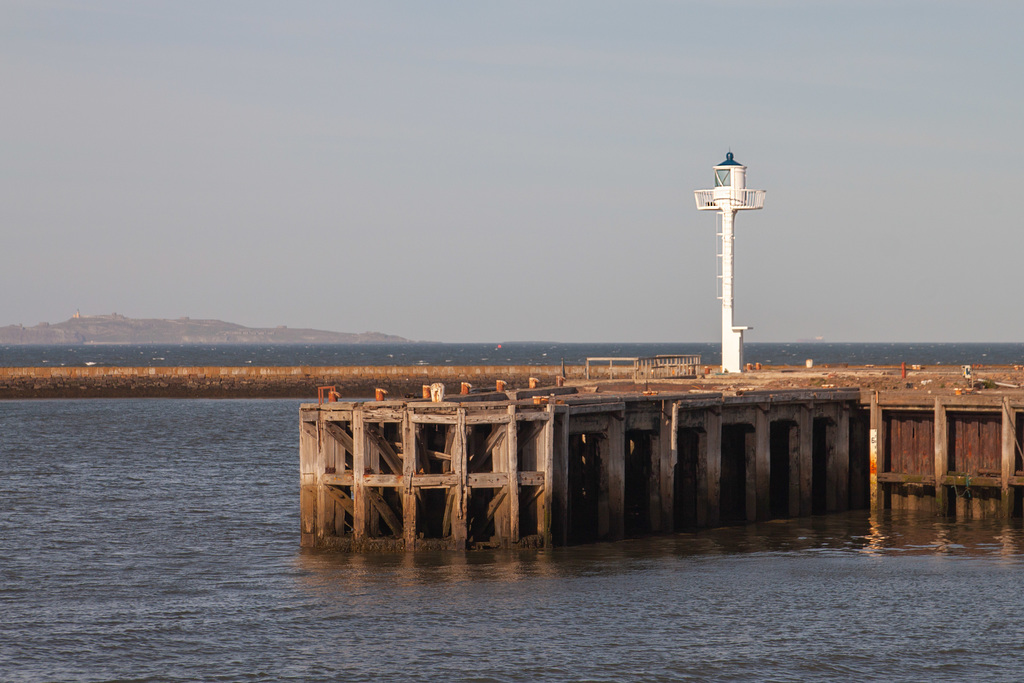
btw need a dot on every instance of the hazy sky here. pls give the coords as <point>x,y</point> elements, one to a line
<point>483,171</point>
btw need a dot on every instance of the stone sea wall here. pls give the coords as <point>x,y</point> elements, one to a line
<point>258,382</point>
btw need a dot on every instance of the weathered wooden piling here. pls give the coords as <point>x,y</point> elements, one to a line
<point>550,466</point>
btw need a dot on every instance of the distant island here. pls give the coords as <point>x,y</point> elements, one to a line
<point>118,329</point>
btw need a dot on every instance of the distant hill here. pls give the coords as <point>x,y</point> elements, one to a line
<point>117,329</point>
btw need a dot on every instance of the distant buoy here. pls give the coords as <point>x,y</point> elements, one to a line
<point>499,346</point>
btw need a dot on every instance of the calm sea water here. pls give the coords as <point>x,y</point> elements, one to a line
<point>509,353</point>
<point>157,540</point>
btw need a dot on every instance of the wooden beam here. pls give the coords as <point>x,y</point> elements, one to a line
<point>762,458</point>
<point>435,480</point>
<point>711,457</point>
<point>613,463</point>
<point>420,418</point>
<point>342,499</point>
<point>361,516</point>
<point>408,472</point>
<point>793,441</point>
<point>805,421</point>
<point>308,484</point>
<point>449,510</point>
<point>666,457</point>
<point>384,510</point>
<point>750,455</point>
<point>941,455</point>
<point>561,488</point>
<point>510,435</point>
<point>387,451</point>
<point>842,457</point>
<point>461,502</point>
<point>343,479</point>
<point>547,463</point>
<point>487,480</point>
<point>875,454</point>
<point>1008,457</point>
<point>339,434</point>
<point>496,501</point>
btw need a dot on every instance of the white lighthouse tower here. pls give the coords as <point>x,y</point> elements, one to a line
<point>729,196</point>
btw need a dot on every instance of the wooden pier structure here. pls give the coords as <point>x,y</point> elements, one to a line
<point>555,466</point>
<point>951,455</point>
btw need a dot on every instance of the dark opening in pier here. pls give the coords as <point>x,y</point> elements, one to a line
<point>1018,447</point>
<point>584,487</point>
<point>529,499</point>
<point>488,513</point>
<point>638,483</point>
<point>434,446</point>
<point>433,512</point>
<point>737,440</point>
<point>780,446</point>
<point>385,512</point>
<point>484,452</point>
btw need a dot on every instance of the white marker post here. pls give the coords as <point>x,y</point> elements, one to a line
<point>729,196</point>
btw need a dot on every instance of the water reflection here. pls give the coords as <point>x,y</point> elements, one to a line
<point>903,533</point>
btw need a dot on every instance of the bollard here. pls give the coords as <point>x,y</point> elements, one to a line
<point>436,392</point>
<point>534,382</point>
<point>499,385</point>
<point>426,391</point>
<point>809,362</point>
<point>560,381</point>
<point>903,370</point>
<point>379,393</point>
<point>465,388</point>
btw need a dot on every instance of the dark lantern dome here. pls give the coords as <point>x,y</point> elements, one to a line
<point>729,161</point>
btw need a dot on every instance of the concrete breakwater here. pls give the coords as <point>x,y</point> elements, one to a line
<point>263,382</point>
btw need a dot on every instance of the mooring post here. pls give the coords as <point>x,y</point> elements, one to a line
<point>1009,447</point>
<point>941,456</point>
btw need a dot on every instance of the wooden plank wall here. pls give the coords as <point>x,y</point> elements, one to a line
<point>947,455</point>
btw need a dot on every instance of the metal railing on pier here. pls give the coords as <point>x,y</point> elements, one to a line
<point>638,369</point>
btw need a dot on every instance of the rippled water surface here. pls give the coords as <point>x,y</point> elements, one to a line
<point>158,540</point>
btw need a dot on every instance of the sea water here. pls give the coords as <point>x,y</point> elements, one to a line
<point>508,353</point>
<point>158,540</point>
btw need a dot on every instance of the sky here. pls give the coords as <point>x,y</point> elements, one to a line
<point>501,171</point>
